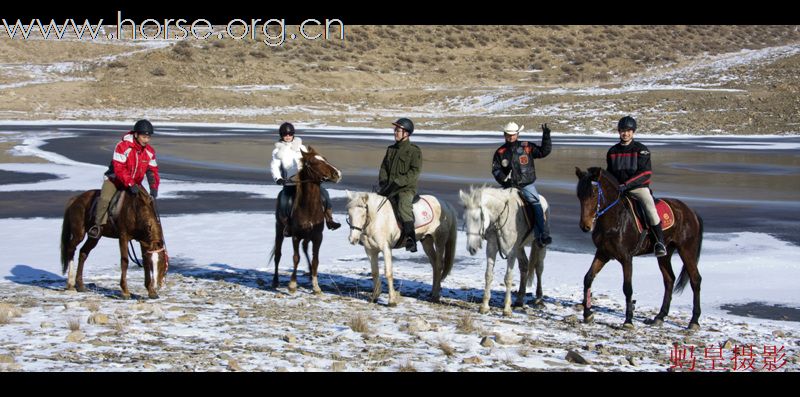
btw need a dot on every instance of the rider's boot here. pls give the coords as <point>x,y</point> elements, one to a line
<point>541,225</point>
<point>332,225</point>
<point>410,236</point>
<point>660,248</point>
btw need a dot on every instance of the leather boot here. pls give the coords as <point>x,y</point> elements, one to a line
<point>541,225</point>
<point>332,225</point>
<point>660,248</point>
<point>410,236</point>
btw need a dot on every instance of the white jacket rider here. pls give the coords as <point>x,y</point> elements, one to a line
<point>286,164</point>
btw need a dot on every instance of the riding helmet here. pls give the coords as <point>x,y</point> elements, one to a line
<point>143,127</point>
<point>405,124</point>
<point>286,129</point>
<point>626,123</point>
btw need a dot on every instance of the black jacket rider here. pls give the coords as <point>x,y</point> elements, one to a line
<point>519,157</point>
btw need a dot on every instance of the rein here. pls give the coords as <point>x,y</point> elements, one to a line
<point>601,197</point>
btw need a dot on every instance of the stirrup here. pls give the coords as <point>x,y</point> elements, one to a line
<point>95,231</point>
<point>660,250</point>
<point>543,241</point>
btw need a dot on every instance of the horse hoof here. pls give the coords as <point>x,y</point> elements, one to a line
<point>628,326</point>
<point>539,304</point>
<point>483,310</point>
<point>694,326</point>
<point>507,313</point>
<point>436,299</point>
<point>392,304</point>
<point>126,296</point>
<point>152,296</point>
<point>80,289</point>
<point>518,304</point>
<point>588,319</point>
<point>656,322</point>
<point>317,291</point>
<point>274,284</point>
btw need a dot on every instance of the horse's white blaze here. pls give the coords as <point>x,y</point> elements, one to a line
<point>71,273</point>
<point>154,271</point>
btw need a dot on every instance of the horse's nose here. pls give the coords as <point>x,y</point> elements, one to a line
<point>585,228</point>
<point>471,250</point>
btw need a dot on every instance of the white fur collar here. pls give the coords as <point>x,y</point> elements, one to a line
<point>293,145</point>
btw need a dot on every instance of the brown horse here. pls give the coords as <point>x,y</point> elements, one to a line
<point>616,237</point>
<point>307,218</point>
<point>137,220</point>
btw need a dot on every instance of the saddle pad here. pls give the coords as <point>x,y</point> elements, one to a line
<point>662,208</point>
<point>423,213</point>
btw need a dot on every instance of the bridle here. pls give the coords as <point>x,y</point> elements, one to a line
<point>496,224</point>
<point>601,199</point>
<point>366,216</point>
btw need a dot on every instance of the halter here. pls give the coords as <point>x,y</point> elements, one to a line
<point>366,216</point>
<point>601,197</point>
<point>497,227</point>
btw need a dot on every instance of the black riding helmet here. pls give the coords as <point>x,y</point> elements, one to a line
<point>405,124</point>
<point>626,123</point>
<point>286,129</point>
<point>143,127</point>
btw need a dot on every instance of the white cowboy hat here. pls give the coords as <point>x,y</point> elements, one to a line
<point>512,128</point>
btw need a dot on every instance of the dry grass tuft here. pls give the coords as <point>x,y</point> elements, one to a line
<point>407,366</point>
<point>359,323</point>
<point>466,323</point>
<point>446,348</point>
<point>74,324</point>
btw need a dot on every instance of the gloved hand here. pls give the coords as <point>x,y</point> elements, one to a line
<point>154,192</point>
<point>545,129</point>
<point>133,189</point>
<point>388,189</point>
<point>281,181</point>
<point>623,187</point>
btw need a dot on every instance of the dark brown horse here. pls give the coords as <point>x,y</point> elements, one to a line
<point>137,220</point>
<point>615,235</point>
<point>307,218</point>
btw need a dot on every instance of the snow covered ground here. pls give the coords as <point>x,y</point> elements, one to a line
<point>219,313</point>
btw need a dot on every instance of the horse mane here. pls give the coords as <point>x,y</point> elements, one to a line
<point>474,195</point>
<point>593,174</point>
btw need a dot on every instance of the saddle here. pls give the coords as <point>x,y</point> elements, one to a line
<point>422,211</point>
<point>662,208</point>
<point>114,207</point>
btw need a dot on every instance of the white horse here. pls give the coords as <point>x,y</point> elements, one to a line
<point>373,225</point>
<point>498,216</point>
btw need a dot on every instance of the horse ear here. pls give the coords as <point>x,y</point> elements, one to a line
<point>464,197</point>
<point>580,174</point>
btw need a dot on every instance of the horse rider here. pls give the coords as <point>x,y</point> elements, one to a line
<point>512,166</point>
<point>398,176</point>
<point>133,158</point>
<point>629,162</point>
<point>286,164</point>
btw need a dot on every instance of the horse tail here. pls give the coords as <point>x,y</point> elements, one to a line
<point>66,236</point>
<point>684,277</point>
<point>271,255</point>
<point>450,245</point>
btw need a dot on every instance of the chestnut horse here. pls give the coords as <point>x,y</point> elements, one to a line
<point>616,237</point>
<point>307,219</point>
<point>137,220</point>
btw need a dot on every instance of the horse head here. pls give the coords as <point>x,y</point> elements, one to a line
<point>317,169</point>
<point>357,215</point>
<point>474,219</point>
<point>597,190</point>
<point>148,222</point>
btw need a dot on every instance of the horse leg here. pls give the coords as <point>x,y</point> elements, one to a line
<point>597,265</point>
<point>436,263</point>
<point>278,246</point>
<point>296,260</point>
<point>149,272</point>
<point>689,258</point>
<point>537,261</point>
<point>315,264</point>
<point>665,265</point>
<point>77,278</point>
<point>491,254</point>
<point>376,276</point>
<point>123,264</point>
<point>627,289</point>
<point>509,280</point>
<point>387,263</point>
<point>524,268</point>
